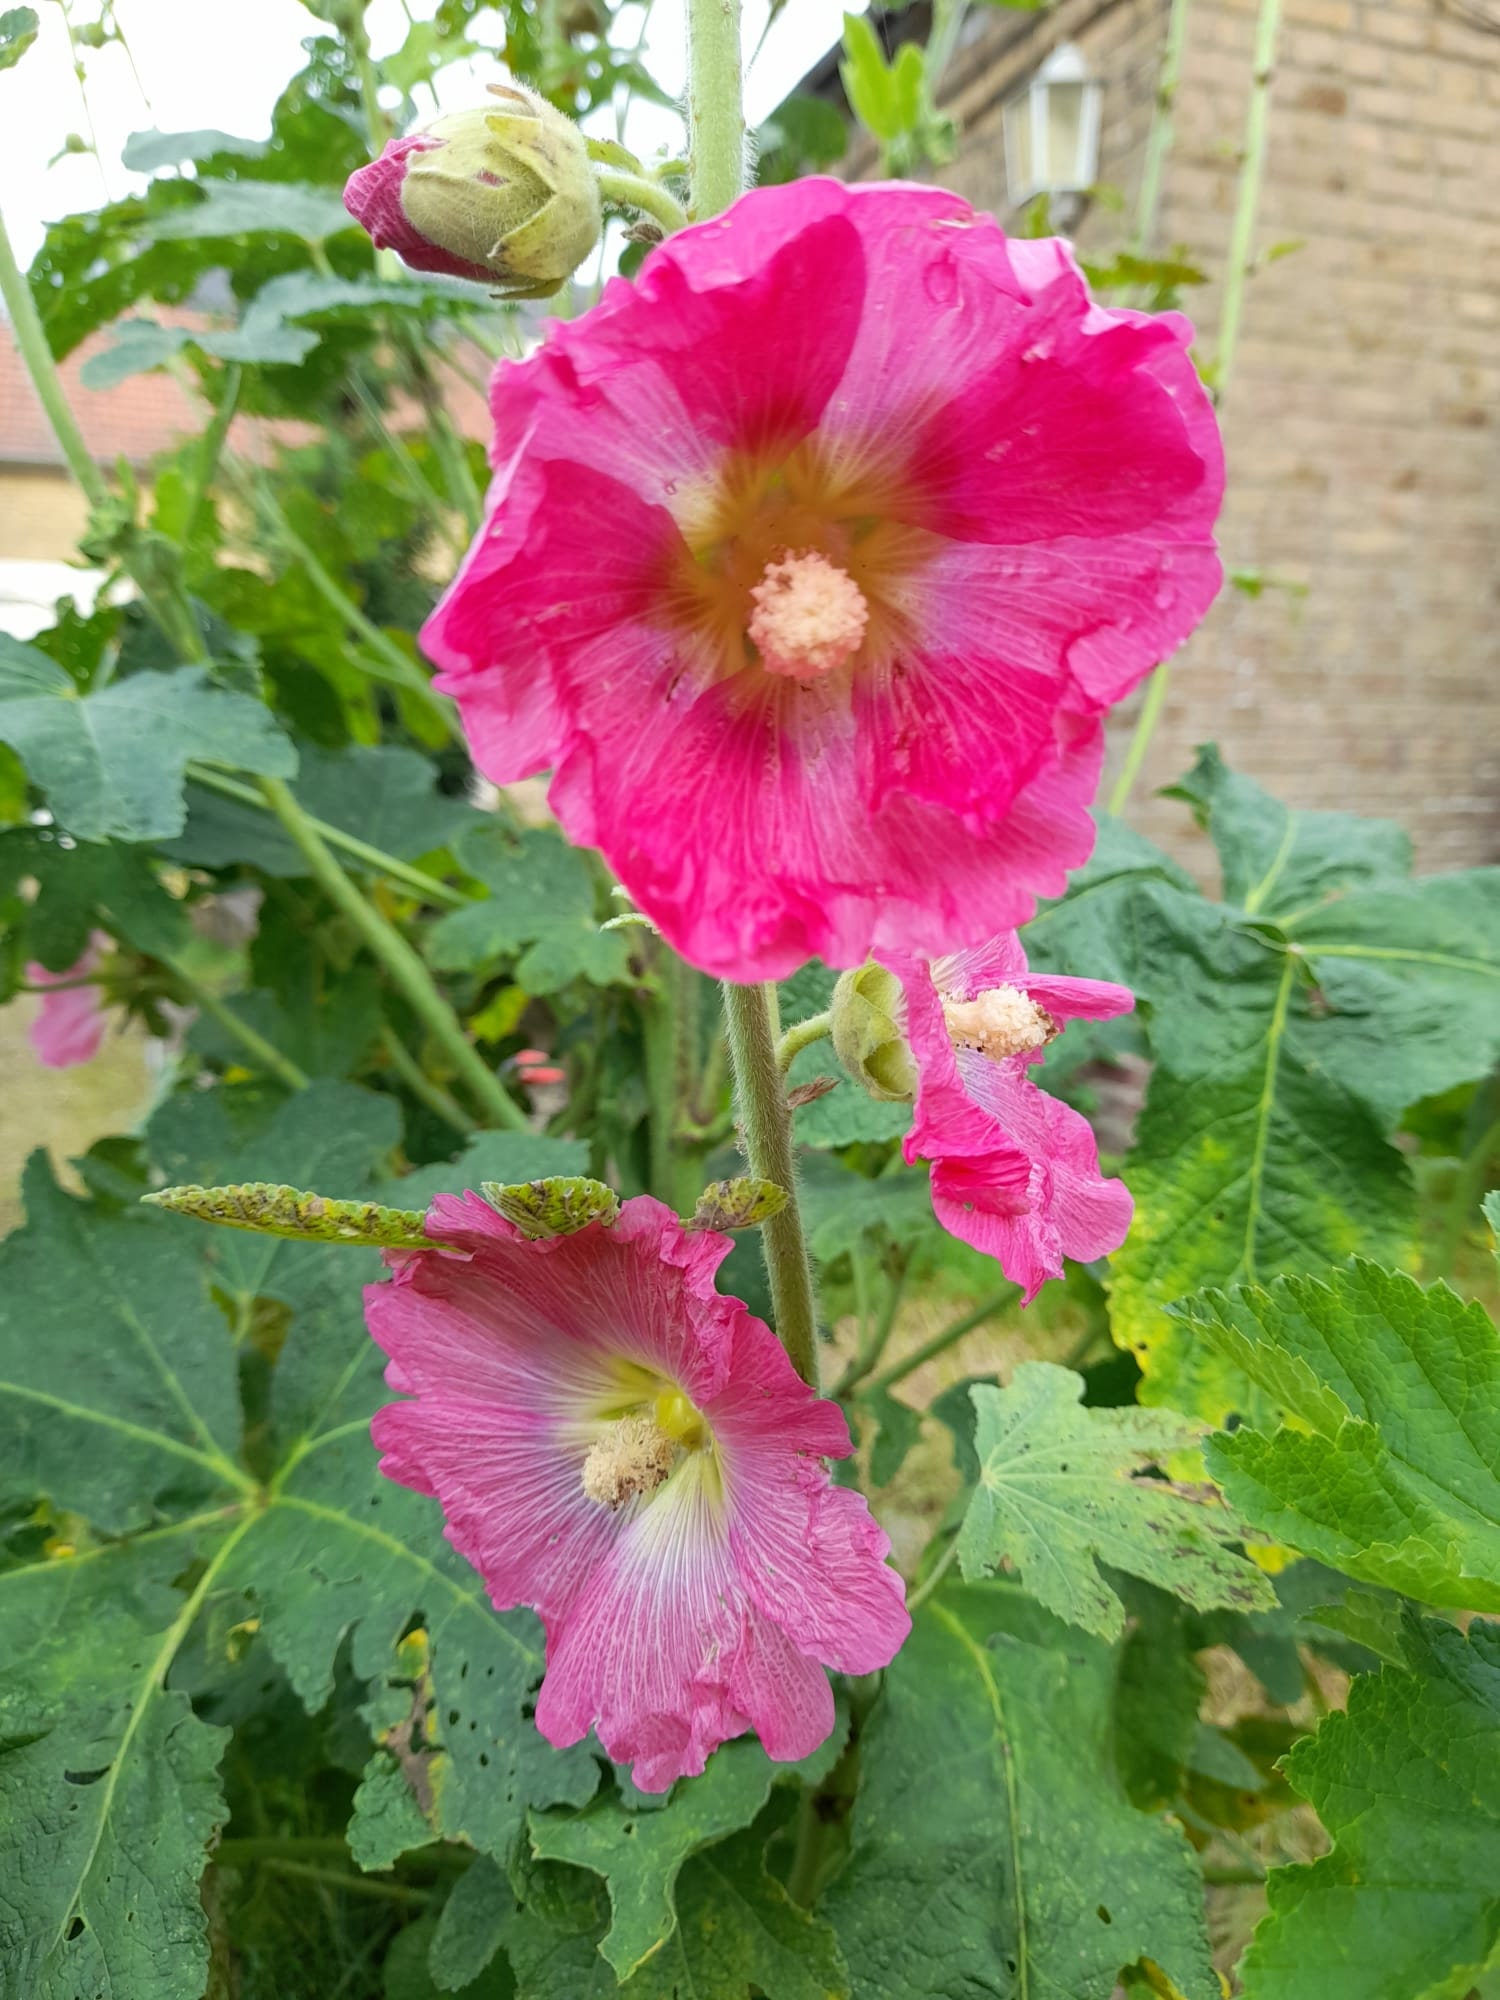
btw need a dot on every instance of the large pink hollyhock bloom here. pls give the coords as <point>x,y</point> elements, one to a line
<point>69,1025</point>
<point>814,557</point>
<point>1014,1171</point>
<point>633,1456</point>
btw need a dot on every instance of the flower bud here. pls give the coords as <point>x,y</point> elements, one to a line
<point>507,196</point>
<point>868,1014</point>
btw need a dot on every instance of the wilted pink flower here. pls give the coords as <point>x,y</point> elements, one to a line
<point>1014,1171</point>
<point>632,1455</point>
<point>69,1025</point>
<point>814,557</point>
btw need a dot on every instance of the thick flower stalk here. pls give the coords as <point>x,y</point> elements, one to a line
<point>632,1455</point>
<point>506,196</point>
<point>815,556</point>
<point>70,1023</point>
<point>1015,1172</point>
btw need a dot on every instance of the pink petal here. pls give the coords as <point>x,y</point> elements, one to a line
<point>372,196</point>
<point>69,1026</point>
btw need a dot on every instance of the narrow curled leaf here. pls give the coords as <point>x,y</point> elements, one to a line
<point>738,1204</point>
<point>272,1210</point>
<point>555,1207</point>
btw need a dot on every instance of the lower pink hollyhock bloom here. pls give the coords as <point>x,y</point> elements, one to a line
<point>632,1455</point>
<point>1014,1171</point>
<point>69,1025</point>
<point>814,557</point>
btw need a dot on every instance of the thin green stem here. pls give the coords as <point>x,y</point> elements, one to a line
<point>816,1028</point>
<point>31,343</point>
<point>1252,168</point>
<point>463,492</point>
<point>384,659</point>
<point>406,969</point>
<point>348,1882</point>
<point>948,1337</point>
<point>948,18</point>
<point>1225,1878</point>
<point>440,1102</point>
<point>625,190</point>
<point>867,1360</point>
<point>1159,138</point>
<point>716,105</point>
<point>421,488</point>
<point>250,1039</point>
<point>1140,741</point>
<point>277,1847</point>
<point>426,886</point>
<point>1463,1203</point>
<point>661,1029</point>
<point>934,1577</point>
<point>751,1020</point>
<point>357,41</point>
<point>207,462</point>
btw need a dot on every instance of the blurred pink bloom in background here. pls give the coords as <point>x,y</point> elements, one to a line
<point>70,1024</point>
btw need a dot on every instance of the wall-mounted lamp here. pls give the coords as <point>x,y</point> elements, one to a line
<point>1052,131</point>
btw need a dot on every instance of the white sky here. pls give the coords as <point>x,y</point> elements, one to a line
<point>222,63</point>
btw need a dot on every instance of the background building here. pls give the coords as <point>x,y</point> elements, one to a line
<point>1362,417</point>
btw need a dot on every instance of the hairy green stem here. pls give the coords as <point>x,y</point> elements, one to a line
<point>816,1028</point>
<point>440,1102</point>
<point>250,1039</point>
<point>948,1337</point>
<point>750,1017</point>
<point>1140,740</point>
<point>625,190</point>
<point>173,615</point>
<point>426,886</point>
<point>716,105</point>
<point>406,969</point>
<point>1159,138</point>
<point>1252,168</point>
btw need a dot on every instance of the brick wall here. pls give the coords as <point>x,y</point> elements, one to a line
<point>1362,420</point>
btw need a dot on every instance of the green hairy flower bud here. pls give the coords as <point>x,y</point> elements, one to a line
<point>505,195</point>
<point>869,1036</point>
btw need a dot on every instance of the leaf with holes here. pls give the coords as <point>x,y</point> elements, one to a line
<point>1059,1495</point>
<point>995,1853</point>
<point>641,1854</point>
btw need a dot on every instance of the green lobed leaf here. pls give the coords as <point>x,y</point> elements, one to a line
<point>995,1854</point>
<point>641,1854</point>
<point>148,152</point>
<point>472,1925</point>
<point>540,906</point>
<point>1059,1496</point>
<point>254,208</point>
<point>109,1792</point>
<point>1407,1781</point>
<point>117,1382</point>
<point>113,764</point>
<point>1289,1030</point>
<point>19,28</point>
<point>1390,1467</point>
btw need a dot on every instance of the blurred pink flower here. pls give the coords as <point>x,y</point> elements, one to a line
<point>535,1067</point>
<point>1014,1171</point>
<point>814,557</point>
<point>70,1024</point>
<point>631,1454</point>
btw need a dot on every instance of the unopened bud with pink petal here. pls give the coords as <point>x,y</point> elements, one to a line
<point>504,195</point>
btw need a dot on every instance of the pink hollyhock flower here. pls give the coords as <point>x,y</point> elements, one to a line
<point>70,1024</point>
<point>1014,1171</point>
<point>814,557</point>
<point>632,1455</point>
